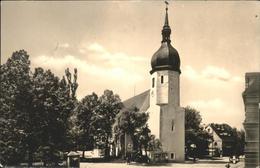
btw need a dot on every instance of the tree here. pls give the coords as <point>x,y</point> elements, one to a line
<point>15,106</point>
<point>154,144</point>
<point>194,133</point>
<point>85,114</point>
<point>143,137</point>
<point>134,123</point>
<point>35,108</point>
<point>109,106</point>
<point>54,102</point>
<point>239,145</point>
<point>192,118</point>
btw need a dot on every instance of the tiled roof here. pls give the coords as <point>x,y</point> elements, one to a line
<point>224,131</point>
<point>141,101</point>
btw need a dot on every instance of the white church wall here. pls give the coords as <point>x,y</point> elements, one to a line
<point>162,87</point>
<point>166,119</point>
<point>154,110</point>
<point>172,134</point>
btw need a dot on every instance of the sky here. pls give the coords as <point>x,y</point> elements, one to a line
<point>111,44</point>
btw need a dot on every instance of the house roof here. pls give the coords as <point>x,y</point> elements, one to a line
<point>224,131</point>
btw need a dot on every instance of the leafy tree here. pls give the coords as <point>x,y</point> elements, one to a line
<point>85,114</point>
<point>194,133</point>
<point>68,102</point>
<point>54,103</point>
<point>34,111</point>
<point>239,145</point>
<point>134,123</point>
<point>233,139</point>
<point>154,144</point>
<point>16,122</point>
<point>143,137</point>
<point>109,106</point>
<point>192,118</point>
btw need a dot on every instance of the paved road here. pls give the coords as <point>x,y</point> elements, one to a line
<point>200,164</point>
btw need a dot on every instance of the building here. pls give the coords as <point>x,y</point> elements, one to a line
<point>162,100</point>
<point>251,97</point>
<point>222,140</point>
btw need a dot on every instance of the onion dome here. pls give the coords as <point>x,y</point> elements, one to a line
<point>166,57</point>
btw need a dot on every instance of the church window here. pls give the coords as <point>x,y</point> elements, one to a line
<point>161,79</point>
<point>153,83</point>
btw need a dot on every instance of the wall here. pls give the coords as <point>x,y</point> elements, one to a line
<point>251,97</point>
<point>165,112</point>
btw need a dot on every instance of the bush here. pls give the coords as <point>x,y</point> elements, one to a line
<point>141,158</point>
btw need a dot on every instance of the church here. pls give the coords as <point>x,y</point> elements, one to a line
<point>162,100</point>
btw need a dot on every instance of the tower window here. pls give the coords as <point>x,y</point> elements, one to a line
<point>172,125</point>
<point>161,79</point>
<point>153,83</point>
<point>172,155</point>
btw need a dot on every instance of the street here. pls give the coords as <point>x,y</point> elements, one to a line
<point>188,164</point>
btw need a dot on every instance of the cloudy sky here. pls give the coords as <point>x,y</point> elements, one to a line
<point>111,44</point>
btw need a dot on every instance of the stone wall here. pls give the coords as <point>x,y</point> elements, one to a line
<point>251,97</point>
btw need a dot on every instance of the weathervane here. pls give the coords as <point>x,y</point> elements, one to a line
<point>166,3</point>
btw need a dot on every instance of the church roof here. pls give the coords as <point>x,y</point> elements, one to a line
<point>140,101</point>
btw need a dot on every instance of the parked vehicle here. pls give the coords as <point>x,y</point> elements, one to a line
<point>233,159</point>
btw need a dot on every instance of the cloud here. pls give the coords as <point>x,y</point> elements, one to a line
<point>60,63</point>
<point>210,73</point>
<point>96,47</point>
<point>64,45</point>
<point>98,68</point>
<point>205,104</point>
<point>101,54</point>
<point>215,92</point>
<point>218,110</point>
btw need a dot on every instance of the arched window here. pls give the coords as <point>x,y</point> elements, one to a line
<point>153,83</point>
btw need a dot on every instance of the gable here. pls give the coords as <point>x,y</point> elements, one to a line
<point>223,131</point>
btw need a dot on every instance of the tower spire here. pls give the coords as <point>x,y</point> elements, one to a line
<point>166,31</point>
<point>166,22</point>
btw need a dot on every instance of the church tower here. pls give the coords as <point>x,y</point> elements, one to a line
<point>166,117</point>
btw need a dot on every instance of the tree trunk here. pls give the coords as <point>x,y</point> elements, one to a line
<point>107,148</point>
<point>30,158</point>
<point>145,149</point>
<point>140,149</point>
